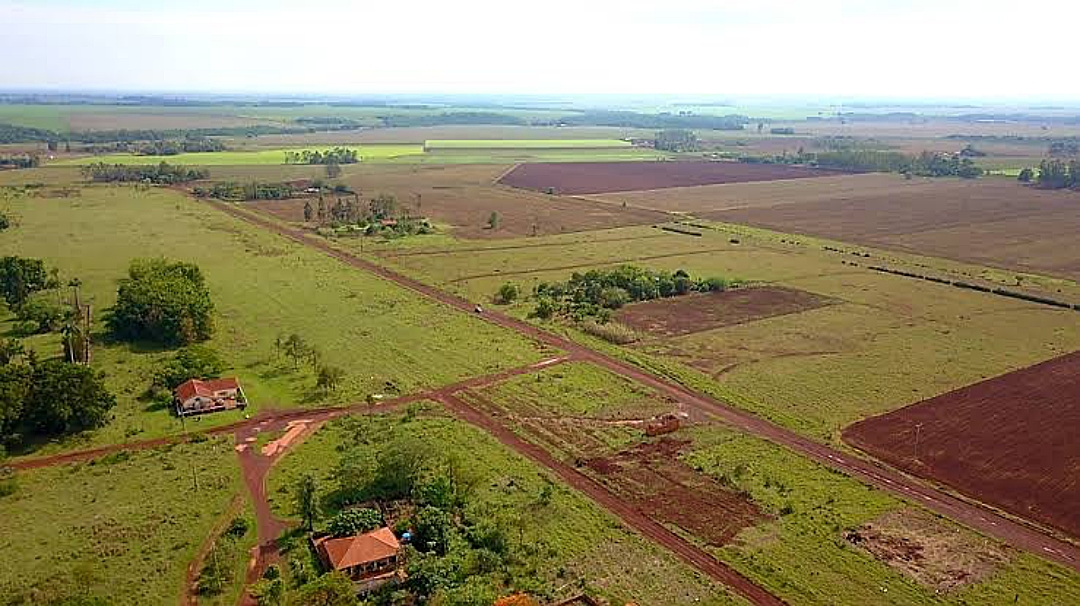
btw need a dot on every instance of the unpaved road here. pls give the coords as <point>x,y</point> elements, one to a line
<point>633,518</point>
<point>1028,537</point>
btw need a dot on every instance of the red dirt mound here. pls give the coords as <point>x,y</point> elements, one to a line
<point>699,312</point>
<point>651,477</point>
<point>600,177</point>
<point>1010,441</point>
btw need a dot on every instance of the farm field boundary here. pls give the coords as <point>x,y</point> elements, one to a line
<point>976,516</point>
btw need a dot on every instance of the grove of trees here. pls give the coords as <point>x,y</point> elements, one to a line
<point>1058,174</point>
<point>161,174</point>
<point>162,302</point>
<point>676,140</point>
<point>336,155</point>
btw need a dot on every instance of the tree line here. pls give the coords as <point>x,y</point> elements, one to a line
<point>252,190</point>
<point>337,155</point>
<point>20,161</point>
<point>160,174</point>
<point>1053,174</point>
<point>676,140</point>
<point>172,147</point>
<point>924,164</point>
<point>10,133</point>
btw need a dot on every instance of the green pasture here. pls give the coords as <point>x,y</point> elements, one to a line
<point>569,542</point>
<point>524,143</point>
<point>123,528</point>
<point>388,340</point>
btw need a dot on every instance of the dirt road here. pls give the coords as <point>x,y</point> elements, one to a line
<point>682,548</point>
<point>1028,537</point>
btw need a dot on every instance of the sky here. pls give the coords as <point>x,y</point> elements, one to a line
<point>961,49</point>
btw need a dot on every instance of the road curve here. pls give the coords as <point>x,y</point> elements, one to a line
<point>983,519</point>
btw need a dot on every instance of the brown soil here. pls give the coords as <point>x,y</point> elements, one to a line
<point>598,177</point>
<point>700,312</point>
<point>653,479</point>
<point>464,198</point>
<point>988,221</point>
<point>1010,441</point>
<point>976,516</point>
<point>938,555</point>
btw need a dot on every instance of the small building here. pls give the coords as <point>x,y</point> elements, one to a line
<point>194,397</point>
<point>364,558</point>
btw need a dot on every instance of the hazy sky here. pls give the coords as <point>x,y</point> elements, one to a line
<point>936,48</point>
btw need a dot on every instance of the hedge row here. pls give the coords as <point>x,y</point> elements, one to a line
<point>995,291</point>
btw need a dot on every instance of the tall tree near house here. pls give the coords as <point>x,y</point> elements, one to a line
<point>296,348</point>
<point>493,220</point>
<point>329,377</point>
<point>308,211</point>
<point>322,210</point>
<point>306,505</point>
<point>333,170</point>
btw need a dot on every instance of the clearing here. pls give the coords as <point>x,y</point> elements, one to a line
<point>598,177</point>
<point>699,312</point>
<point>1009,441</point>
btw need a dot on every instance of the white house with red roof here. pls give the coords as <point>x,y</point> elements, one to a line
<point>196,397</point>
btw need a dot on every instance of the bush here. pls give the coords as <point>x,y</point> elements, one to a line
<point>611,332</point>
<point>355,521</point>
<point>46,315</point>
<point>21,277</point>
<point>237,528</point>
<point>163,302</point>
<point>191,362</point>
<point>507,294</point>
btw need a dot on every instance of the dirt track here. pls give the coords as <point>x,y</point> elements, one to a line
<point>682,548</point>
<point>1023,536</point>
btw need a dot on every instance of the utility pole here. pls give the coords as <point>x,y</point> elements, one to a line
<point>918,430</point>
<point>195,476</point>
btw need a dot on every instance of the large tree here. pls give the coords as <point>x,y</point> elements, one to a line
<point>164,302</point>
<point>21,277</point>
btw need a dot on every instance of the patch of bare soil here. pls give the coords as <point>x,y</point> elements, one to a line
<point>652,478</point>
<point>700,312</point>
<point>934,553</point>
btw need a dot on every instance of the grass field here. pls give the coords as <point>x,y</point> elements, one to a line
<point>387,340</point>
<point>559,545</point>
<point>889,342</point>
<point>368,153</point>
<point>524,143</point>
<point>124,528</point>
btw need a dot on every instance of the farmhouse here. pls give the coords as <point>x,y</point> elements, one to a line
<point>368,558</point>
<point>196,397</point>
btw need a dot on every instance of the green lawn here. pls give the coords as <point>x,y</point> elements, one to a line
<point>388,340</point>
<point>566,542</point>
<point>368,153</point>
<point>126,526</point>
<point>524,143</point>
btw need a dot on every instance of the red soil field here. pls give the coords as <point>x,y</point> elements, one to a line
<point>599,177</point>
<point>653,480</point>
<point>1010,441</point>
<point>700,312</point>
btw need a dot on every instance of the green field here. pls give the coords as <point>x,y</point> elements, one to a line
<point>567,543</point>
<point>368,153</point>
<point>387,339</point>
<point>437,144</point>
<point>124,528</point>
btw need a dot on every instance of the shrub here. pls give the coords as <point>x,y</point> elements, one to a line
<point>507,294</point>
<point>191,362</point>
<point>355,521</point>
<point>611,332</point>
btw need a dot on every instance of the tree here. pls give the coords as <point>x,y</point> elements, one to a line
<point>269,592</point>
<point>329,377</point>
<point>306,504</point>
<point>1026,175</point>
<point>331,589</point>
<point>20,277</point>
<point>308,211</point>
<point>191,362</point>
<point>354,521</point>
<point>507,293</point>
<point>163,302</point>
<point>14,391</point>
<point>433,527</point>
<point>383,206</point>
<point>493,220</point>
<point>333,170</point>
<point>296,348</point>
<point>65,398</point>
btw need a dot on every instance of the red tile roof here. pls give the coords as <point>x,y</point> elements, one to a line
<point>346,552</point>
<point>194,387</point>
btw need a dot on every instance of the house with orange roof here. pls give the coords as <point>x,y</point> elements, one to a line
<point>196,397</point>
<point>365,557</point>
